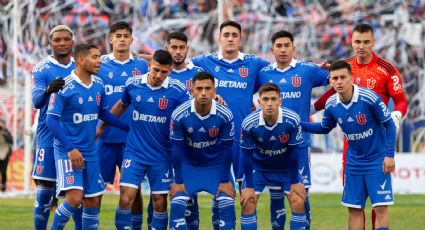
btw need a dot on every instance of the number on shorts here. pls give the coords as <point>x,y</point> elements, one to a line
<point>40,154</point>
<point>68,166</point>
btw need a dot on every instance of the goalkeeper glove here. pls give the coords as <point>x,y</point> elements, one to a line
<point>396,116</point>
<point>55,86</point>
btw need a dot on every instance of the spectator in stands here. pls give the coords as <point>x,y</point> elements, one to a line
<point>6,141</point>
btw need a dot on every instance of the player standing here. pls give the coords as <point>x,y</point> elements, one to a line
<point>153,98</point>
<point>367,125</point>
<point>114,71</point>
<point>202,133</point>
<point>269,141</point>
<point>295,79</point>
<point>48,78</point>
<point>72,117</point>
<point>375,73</point>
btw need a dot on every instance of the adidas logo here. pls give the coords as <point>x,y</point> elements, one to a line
<point>124,74</point>
<point>387,197</point>
<point>90,99</point>
<point>202,130</point>
<point>282,81</point>
<point>272,138</point>
<point>150,100</point>
<point>230,71</point>
<point>350,119</point>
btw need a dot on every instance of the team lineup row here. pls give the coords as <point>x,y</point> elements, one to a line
<point>161,121</point>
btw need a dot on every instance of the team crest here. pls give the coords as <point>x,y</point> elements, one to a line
<point>70,179</point>
<point>284,138</point>
<point>80,100</point>
<point>163,103</point>
<point>371,83</point>
<point>243,72</point>
<point>296,81</point>
<point>136,72</point>
<point>361,119</point>
<point>98,100</point>
<point>213,132</point>
<point>189,84</point>
<point>39,169</point>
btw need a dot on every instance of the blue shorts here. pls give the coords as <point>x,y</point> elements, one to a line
<point>357,188</point>
<point>110,156</point>
<point>195,181</point>
<point>304,166</point>
<point>44,164</point>
<point>272,180</point>
<point>160,176</point>
<point>237,161</point>
<point>88,180</point>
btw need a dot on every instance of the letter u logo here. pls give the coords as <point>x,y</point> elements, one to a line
<point>163,103</point>
<point>361,119</point>
<point>371,83</point>
<point>189,84</point>
<point>284,138</point>
<point>243,72</point>
<point>213,132</point>
<point>296,81</point>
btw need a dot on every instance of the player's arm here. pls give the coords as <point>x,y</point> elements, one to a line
<point>320,103</point>
<point>248,193</point>
<point>395,88</point>
<point>324,127</point>
<point>42,89</point>
<point>117,110</point>
<point>109,118</point>
<point>178,147</point>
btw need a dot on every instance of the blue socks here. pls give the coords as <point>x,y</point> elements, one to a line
<point>78,218</point>
<point>159,220</point>
<point>177,214</point>
<point>192,213</point>
<point>90,218</point>
<point>307,212</point>
<point>215,218</point>
<point>136,220</point>
<point>249,222</point>
<point>226,205</point>
<point>150,212</point>
<point>277,209</point>
<point>122,218</point>
<point>298,221</point>
<point>383,228</point>
<point>62,215</point>
<point>42,207</point>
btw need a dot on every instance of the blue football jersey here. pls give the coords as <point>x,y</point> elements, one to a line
<point>78,107</point>
<point>43,73</point>
<point>296,83</point>
<point>186,74</point>
<point>270,143</point>
<point>236,80</point>
<point>149,135</point>
<point>360,120</point>
<point>114,74</point>
<point>203,135</point>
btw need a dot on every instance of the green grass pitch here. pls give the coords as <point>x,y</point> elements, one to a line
<point>327,212</point>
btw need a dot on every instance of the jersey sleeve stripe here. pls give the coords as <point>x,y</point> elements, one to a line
<point>55,114</point>
<point>250,119</point>
<point>292,115</point>
<point>331,100</point>
<point>388,66</point>
<point>180,109</point>
<point>368,94</point>
<point>226,112</point>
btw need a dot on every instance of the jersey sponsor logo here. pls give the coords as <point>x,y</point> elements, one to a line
<point>296,81</point>
<point>213,132</point>
<point>136,72</point>
<point>271,152</point>
<point>201,144</point>
<point>39,169</point>
<point>149,118</point>
<point>79,118</point>
<point>284,138</point>
<point>98,100</point>
<point>396,84</point>
<point>295,94</point>
<point>232,84</point>
<point>359,136</point>
<point>110,89</point>
<point>189,84</point>
<point>70,179</point>
<point>163,103</point>
<point>243,72</point>
<point>371,83</point>
<point>361,119</point>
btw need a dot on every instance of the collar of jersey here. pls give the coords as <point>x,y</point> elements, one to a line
<point>239,57</point>
<point>78,80</point>
<point>354,98</point>
<point>189,66</point>
<point>112,58</point>
<point>213,110</point>
<point>145,81</point>
<point>292,64</point>
<point>55,62</point>
<point>262,122</point>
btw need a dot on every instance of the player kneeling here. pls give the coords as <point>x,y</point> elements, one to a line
<point>202,135</point>
<point>269,139</point>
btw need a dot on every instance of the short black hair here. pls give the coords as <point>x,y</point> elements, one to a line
<point>81,50</point>
<point>231,23</point>
<point>282,34</point>
<point>339,64</point>
<point>203,76</point>
<point>363,28</point>
<point>163,57</point>
<point>178,36</point>
<point>269,87</point>
<point>121,25</point>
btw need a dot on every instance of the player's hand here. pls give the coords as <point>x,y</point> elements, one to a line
<point>99,131</point>
<point>247,195</point>
<point>298,190</point>
<point>220,100</point>
<point>227,188</point>
<point>55,86</point>
<point>176,188</point>
<point>396,116</point>
<point>389,165</point>
<point>146,57</point>
<point>325,65</point>
<point>77,160</point>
